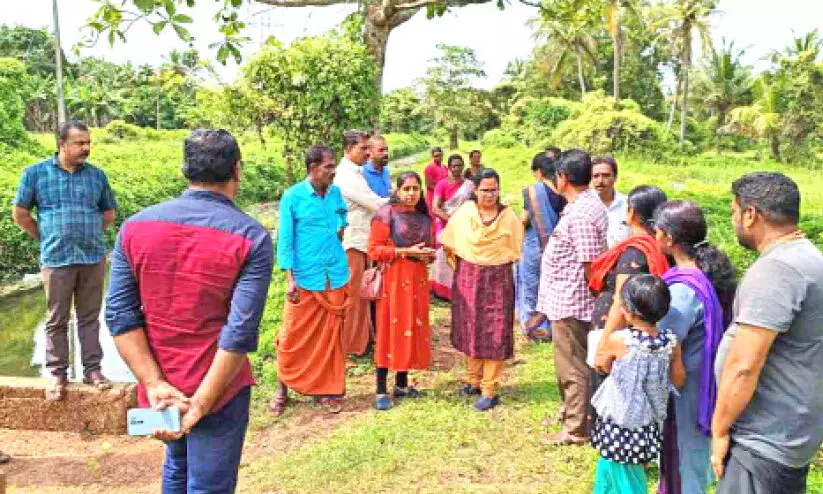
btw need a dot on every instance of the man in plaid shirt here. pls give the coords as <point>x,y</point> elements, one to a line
<point>564,296</point>
<point>75,205</point>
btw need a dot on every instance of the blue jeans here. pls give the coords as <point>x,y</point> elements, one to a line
<point>206,460</point>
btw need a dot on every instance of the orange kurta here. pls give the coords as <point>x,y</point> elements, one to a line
<point>310,358</point>
<point>403,340</point>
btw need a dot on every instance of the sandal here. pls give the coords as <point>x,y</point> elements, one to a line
<point>332,405</point>
<point>98,380</point>
<point>57,390</point>
<point>410,392</point>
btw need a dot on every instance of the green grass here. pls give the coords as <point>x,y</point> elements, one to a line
<point>20,315</point>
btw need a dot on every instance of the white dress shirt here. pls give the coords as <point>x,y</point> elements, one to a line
<point>618,230</point>
<point>361,201</point>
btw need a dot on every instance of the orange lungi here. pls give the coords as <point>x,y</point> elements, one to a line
<point>357,327</point>
<point>310,358</point>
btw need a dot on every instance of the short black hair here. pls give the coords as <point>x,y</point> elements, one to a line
<point>576,166</point>
<point>437,150</point>
<point>352,137</point>
<point>644,201</point>
<point>315,154</point>
<point>545,165</point>
<point>646,296</point>
<point>473,151</point>
<point>608,160</point>
<point>772,194</point>
<point>209,156</point>
<point>65,127</point>
<point>454,157</point>
<point>555,150</point>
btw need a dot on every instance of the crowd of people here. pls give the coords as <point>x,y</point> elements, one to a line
<point>660,355</point>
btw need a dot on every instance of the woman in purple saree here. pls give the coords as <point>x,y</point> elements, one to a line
<point>702,285</point>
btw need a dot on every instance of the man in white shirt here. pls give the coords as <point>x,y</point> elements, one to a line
<point>604,175</point>
<point>362,202</point>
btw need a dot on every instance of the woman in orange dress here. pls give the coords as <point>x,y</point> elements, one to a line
<point>402,240</point>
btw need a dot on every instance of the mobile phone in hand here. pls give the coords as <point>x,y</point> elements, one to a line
<point>145,421</point>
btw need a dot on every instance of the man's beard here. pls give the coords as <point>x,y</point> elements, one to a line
<point>745,241</point>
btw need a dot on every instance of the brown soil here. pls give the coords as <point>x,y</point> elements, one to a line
<point>68,463</point>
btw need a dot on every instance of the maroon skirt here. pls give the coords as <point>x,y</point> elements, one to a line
<point>483,310</point>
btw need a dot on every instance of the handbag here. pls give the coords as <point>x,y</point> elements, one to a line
<point>371,286</point>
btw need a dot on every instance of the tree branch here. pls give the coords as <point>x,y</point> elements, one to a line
<point>304,3</point>
<point>416,4</point>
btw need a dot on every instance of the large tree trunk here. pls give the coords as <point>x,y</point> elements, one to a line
<point>685,67</point>
<point>453,138</point>
<point>674,104</point>
<point>774,147</point>
<point>618,48</point>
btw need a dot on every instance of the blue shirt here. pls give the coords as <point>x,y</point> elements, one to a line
<point>379,182</point>
<point>69,211</point>
<point>308,243</point>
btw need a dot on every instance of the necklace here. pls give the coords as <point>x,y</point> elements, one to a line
<point>788,237</point>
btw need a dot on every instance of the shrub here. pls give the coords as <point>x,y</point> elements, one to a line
<point>600,127</point>
<point>532,120</point>
<point>402,145</point>
<point>12,108</point>
<point>499,138</point>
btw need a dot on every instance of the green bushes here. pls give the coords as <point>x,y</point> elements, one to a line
<point>402,145</point>
<point>12,107</point>
<point>500,138</point>
<point>600,127</point>
<point>532,120</point>
<point>142,172</point>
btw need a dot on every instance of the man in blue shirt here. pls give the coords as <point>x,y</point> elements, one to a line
<point>310,356</point>
<point>376,169</point>
<point>75,205</point>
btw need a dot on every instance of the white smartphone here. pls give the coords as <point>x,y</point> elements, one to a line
<point>144,421</point>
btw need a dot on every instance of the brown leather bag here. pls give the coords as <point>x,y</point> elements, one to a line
<point>371,286</point>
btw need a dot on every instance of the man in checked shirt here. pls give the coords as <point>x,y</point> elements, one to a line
<point>564,296</point>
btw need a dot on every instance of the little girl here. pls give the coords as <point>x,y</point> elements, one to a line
<point>631,403</point>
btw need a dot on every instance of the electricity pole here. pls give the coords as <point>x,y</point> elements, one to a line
<point>58,57</point>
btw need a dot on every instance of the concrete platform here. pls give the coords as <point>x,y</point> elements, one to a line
<point>23,406</point>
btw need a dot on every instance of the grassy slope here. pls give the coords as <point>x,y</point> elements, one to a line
<point>439,444</point>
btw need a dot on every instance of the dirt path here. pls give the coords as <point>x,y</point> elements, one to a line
<point>69,463</point>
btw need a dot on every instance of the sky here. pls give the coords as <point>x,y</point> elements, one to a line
<point>497,37</point>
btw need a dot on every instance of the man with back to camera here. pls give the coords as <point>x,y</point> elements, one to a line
<point>767,425</point>
<point>75,205</point>
<point>578,239</point>
<point>189,280</point>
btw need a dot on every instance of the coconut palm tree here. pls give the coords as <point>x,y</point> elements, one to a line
<point>678,22</point>
<point>723,82</point>
<point>761,119</point>
<point>567,33</point>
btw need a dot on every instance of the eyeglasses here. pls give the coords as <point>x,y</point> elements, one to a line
<point>488,191</point>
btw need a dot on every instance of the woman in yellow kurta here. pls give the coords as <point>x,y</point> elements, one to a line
<point>485,238</point>
<point>402,238</point>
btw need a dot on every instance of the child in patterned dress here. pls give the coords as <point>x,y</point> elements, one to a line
<point>631,403</point>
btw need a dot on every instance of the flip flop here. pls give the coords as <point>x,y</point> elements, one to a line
<point>98,380</point>
<point>57,390</point>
